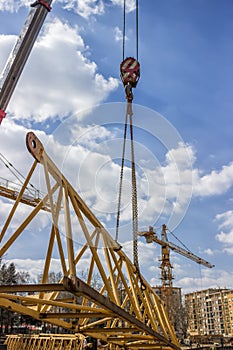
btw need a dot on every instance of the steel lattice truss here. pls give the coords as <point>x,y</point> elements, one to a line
<point>125,312</point>
<point>45,341</point>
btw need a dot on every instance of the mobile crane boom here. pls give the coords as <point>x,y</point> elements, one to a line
<point>21,51</point>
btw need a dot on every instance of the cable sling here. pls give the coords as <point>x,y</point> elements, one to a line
<point>130,74</point>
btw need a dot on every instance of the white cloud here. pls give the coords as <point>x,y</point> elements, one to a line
<point>209,251</point>
<point>150,260</point>
<point>22,212</point>
<point>158,186</point>
<point>88,160</point>
<point>6,44</point>
<point>118,34</point>
<point>225,219</point>
<point>58,79</point>
<point>215,183</point>
<point>84,8</point>
<point>14,149</point>
<point>35,266</point>
<point>129,5</point>
<point>208,279</point>
<point>88,8</point>
<point>179,175</point>
<point>225,236</point>
<point>12,5</point>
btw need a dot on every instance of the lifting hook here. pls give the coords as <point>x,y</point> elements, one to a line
<point>130,74</point>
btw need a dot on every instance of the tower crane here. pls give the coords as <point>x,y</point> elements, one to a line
<point>21,52</point>
<point>166,266</point>
<point>151,236</point>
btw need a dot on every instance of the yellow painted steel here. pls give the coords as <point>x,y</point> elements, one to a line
<point>45,342</point>
<point>121,312</point>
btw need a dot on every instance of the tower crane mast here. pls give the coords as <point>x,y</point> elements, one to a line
<point>21,52</point>
<point>166,266</point>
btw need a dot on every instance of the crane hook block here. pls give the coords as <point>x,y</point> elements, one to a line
<point>130,71</point>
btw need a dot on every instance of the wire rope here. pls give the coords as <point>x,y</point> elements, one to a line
<point>121,180</point>
<point>179,240</point>
<point>124,29</point>
<point>137,29</point>
<point>19,176</point>
<point>123,41</point>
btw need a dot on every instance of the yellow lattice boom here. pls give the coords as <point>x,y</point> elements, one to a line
<point>45,341</point>
<point>125,311</point>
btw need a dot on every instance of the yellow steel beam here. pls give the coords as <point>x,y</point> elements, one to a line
<point>125,311</point>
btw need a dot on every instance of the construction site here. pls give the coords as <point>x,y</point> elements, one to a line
<point>124,311</point>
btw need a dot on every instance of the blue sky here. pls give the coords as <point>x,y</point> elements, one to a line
<point>182,112</point>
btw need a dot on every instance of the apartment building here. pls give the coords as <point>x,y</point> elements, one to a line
<point>210,312</point>
<point>173,304</point>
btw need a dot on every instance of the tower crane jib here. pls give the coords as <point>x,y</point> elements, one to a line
<point>151,236</point>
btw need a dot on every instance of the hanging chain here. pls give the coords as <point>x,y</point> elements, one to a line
<point>134,199</point>
<point>130,74</point>
<point>129,115</point>
<point>121,180</point>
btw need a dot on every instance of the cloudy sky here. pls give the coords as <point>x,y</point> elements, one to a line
<point>71,96</point>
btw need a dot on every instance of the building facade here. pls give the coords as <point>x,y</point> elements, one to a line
<point>210,312</point>
<point>171,296</point>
